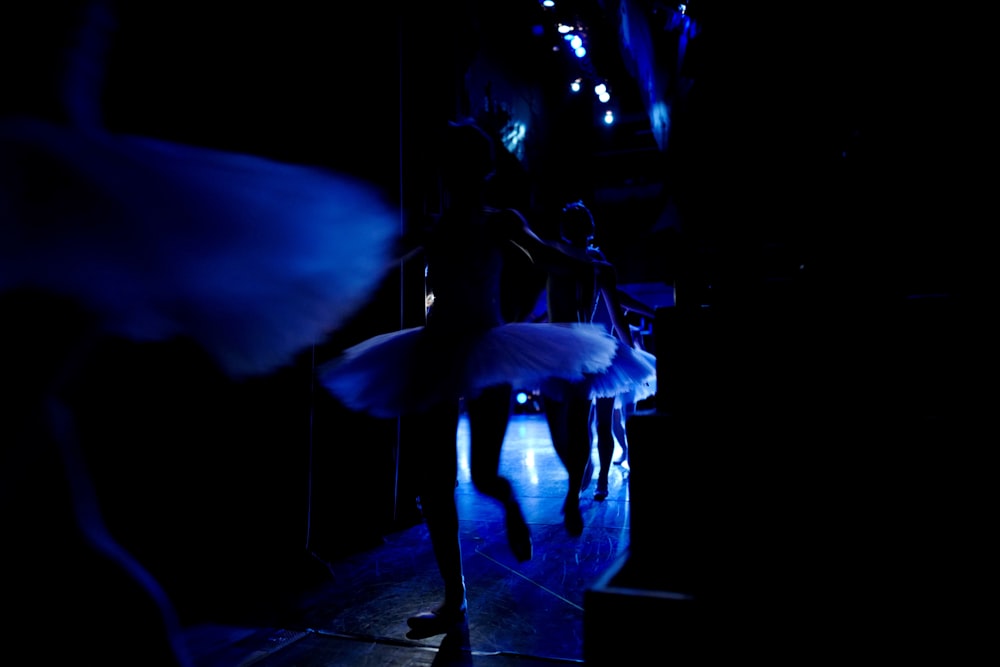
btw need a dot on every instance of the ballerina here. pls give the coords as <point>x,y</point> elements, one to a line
<point>467,352</point>
<point>569,404</point>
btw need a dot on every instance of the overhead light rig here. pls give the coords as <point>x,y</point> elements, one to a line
<point>573,39</point>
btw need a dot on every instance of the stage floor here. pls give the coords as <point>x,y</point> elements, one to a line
<point>519,613</point>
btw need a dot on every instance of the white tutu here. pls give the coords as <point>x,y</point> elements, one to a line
<point>631,376</point>
<point>254,259</point>
<point>410,370</point>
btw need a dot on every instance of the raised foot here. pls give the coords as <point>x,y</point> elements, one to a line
<point>518,534</point>
<point>573,518</point>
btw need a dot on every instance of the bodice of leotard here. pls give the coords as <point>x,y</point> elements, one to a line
<point>464,261</point>
<point>572,297</point>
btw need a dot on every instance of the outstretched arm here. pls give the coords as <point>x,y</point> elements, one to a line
<point>631,304</point>
<point>551,255</point>
<point>412,242</point>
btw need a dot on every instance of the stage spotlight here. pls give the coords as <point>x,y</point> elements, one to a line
<point>575,42</point>
<point>575,86</point>
<point>609,117</point>
<point>527,402</point>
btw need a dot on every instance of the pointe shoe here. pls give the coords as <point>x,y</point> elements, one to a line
<point>518,534</point>
<point>573,519</point>
<point>437,622</point>
<point>602,490</point>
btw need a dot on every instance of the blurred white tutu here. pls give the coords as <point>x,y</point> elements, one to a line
<point>254,259</point>
<point>410,370</point>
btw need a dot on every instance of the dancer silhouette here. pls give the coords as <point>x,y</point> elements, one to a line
<point>568,404</point>
<point>467,352</point>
